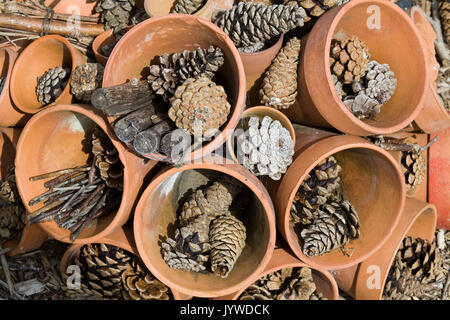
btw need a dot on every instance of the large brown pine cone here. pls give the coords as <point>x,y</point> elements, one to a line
<point>279,86</point>
<point>349,58</point>
<point>444,13</point>
<point>227,237</point>
<point>8,188</point>
<point>11,222</point>
<point>334,227</point>
<point>188,6</point>
<point>175,68</point>
<point>300,286</point>
<point>316,8</point>
<point>115,14</point>
<point>320,185</point>
<point>248,24</point>
<point>199,106</point>
<point>51,84</point>
<point>85,79</point>
<point>414,168</point>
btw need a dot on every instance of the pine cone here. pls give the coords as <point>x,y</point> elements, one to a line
<point>142,285</point>
<point>443,83</point>
<point>101,268</point>
<point>414,168</point>
<point>349,58</point>
<point>319,186</point>
<point>115,14</point>
<point>8,187</point>
<point>373,90</point>
<point>301,286</point>
<point>247,24</point>
<point>401,285</point>
<point>188,6</point>
<point>174,69</point>
<point>279,87</point>
<point>199,106</point>
<point>107,160</point>
<point>85,79</point>
<point>11,223</point>
<point>263,2</point>
<point>51,84</point>
<point>2,83</point>
<point>227,237</point>
<point>339,87</point>
<point>267,147</point>
<point>444,13</point>
<point>256,292</point>
<point>334,227</point>
<point>316,8</point>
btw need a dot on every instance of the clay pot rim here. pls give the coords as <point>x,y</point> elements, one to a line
<point>264,109</point>
<point>330,33</point>
<point>100,122</point>
<point>204,8</point>
<point>262,52</point>
<point>11,55</point>
<point>427,208</point>
<point>207,164</point>
<point>96,45</point>
<point>343,142</point>
<point>33,44</point>
<point>233,118</point>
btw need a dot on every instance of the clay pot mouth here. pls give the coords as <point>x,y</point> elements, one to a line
<point>412,82</point>
<point>53,51</point>
<point>156,210</point>
<point>134,51</point>
<point>260,53</point>
<point>58,138</point>
<point>379,206</point>
<point>6,56</point>
<point>103,39</point>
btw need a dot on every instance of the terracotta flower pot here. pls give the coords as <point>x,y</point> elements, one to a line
<point>281,259</point>
<point>58,138</point>
<point>156,8</point>
<point>223,4</point>
<point>156,210</point>
<point>255,64</point>
<point>433,117</point>
<point>81,7</point>
<point>366,281</point>
<point>372,182</point>
<point>8,142</point>
<point>103,39</point>
<point>175,33</point>
<point>318,103</point>
<point>51,51</point>
<point>11,116</point>
<point>17,46</point>
<point>261,112</point>
<point>122,238</point>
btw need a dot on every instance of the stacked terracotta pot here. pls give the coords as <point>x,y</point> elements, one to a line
<point>373,181</point>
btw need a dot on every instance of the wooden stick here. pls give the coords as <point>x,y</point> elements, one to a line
<point>148,140</point>
<point>58,172</point>
<point>7,273</point>
<point>44,209</point>
<point>129,126</point>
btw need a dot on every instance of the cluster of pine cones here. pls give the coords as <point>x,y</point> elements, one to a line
<point>323,220</point>
<point>364,85</point>
<point>109,272</point>
<point>207,231</point>
<point>284,284</point>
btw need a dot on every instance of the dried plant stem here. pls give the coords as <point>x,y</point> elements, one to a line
<point>59,172</point>
<point>7,273</point>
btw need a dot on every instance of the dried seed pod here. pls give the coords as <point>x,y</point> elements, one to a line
<point>321,185</point>
<point>227,238</point>
<point>316,8</point>
<point>188,6</point>
<point>115,14</point>
<point>199,106</point>
<point>85,79</point>
<point>444,13</point>
<point>336,224</point>
<point>349,58</point>
<point>11,221</point>
<point>267,147</point>
<point>372,91</point>
<point>279,86</point>
<point>175,68</point>
<point>247,24</point>
<point>51,84</point>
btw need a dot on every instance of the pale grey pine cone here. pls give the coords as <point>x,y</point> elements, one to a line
<point>51,84</point>
<point>266,148</point>
<point>115,14</point>
<point>372,91</point>
<point>188,6</point>
<point>85,79</point>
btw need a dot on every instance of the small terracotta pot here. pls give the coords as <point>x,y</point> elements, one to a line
<point>18,46</point>
<point>122,238</point>
<point>281,259</point>
<point>175,33</point>
<point>418,220</point>
<point>318,103</point>
<point>101,40</point>
<point>261,112</point>
<point>439,177</point>
<point>156,211</point>
<point>8,142</point>
<point>58,138</point>
<point>433,117</point>
<point>51,51</point>
<point>255,64</point>
<point>156,8</point>
<point>10,115</point>
<point>372,182</point>
<point>81,7</point>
